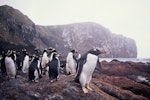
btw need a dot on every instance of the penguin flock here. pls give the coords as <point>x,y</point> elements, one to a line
<point>36,66</point>
<point>33,65</point>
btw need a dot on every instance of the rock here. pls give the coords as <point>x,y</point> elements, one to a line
<point>33,94</point>
<point>125,68</point>
<point>125,75</point>
<point>87,35</point>
<point>54,97</point>
<point>111,81</point>
<point>18,31</point>
<point>118,92</point>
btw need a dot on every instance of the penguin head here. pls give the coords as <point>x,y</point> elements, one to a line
<point>45,50</point>
<point>96,51</point>
<point>9,52</point>
<point>73,51</point>
<point>50,48</point>
<point>26,53</point>
<point>53,50</point>
<point>14,51</point>
<point>35,57</point>
<point>36,50</point>
<point>24,50</point>
<point>55,54</point>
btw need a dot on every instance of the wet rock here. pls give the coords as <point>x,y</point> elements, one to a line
<point>118,92</point>
<point>112,81</point>
<point>34,95</point>
<point>54,97</point>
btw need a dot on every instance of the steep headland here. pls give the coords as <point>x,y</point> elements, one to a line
<point>17,31</point>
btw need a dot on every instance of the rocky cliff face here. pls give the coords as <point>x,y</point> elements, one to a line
<point>18,31</point>
<point>84,36</point>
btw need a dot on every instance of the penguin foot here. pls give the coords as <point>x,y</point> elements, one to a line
<point>85,90</point>
<point>36,81</point>
<point>68,73</point>
<point>89,88</point>
<point>52,81</point>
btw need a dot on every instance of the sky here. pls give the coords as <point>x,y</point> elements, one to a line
<point>131,18</point>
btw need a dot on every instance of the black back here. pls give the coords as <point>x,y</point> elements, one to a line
<point>82,61</point>
<point>53,67</point>
<point>20,59</point>
<point>33,66</point>
<point>3,67</point>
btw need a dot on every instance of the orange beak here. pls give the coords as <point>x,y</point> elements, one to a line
<point>103,51</point>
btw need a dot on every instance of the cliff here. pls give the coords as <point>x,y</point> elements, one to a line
<point>83,36</point>
<point>17,31</point>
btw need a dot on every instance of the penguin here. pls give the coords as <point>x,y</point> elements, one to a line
<point>53,50</point>
<point>86,66</point>
<point>3,67</point>
<point>34,69</point>
<point>15,56</point>
<point>44,61</point>
<point>25,66</point>
<point>20,59</point>
<point>54,66</point>
<point>37,52</point>
<point>50,49</point>
<point>71,63</point>
<point>10,64</point>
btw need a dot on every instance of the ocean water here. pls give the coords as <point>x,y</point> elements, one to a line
<point>144,60</point>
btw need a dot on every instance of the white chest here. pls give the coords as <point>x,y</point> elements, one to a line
<point>9,61</point>
<point>90,64</point>
<point>26,59</point>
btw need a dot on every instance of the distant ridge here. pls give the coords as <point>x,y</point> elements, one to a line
<point>18,31</point>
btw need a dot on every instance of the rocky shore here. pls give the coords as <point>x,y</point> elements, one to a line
<point>113,80</point>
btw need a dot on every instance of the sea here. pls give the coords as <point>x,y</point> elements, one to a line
<point>144,60</point>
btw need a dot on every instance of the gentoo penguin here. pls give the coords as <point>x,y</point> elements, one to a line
<point>34,73</point>
<point>3,67</point>
<point>86,66</point>
<point>25,66</point>
<point>10,64</point>
<point>71,63</point>
<point>44,61</point>
<point>54,66</point>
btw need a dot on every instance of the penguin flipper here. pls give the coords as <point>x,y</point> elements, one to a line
<point>80,67</point>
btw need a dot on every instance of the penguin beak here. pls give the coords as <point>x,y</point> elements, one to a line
<point>102,51</point>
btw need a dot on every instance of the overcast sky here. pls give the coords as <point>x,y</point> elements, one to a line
<point>130,18</point>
